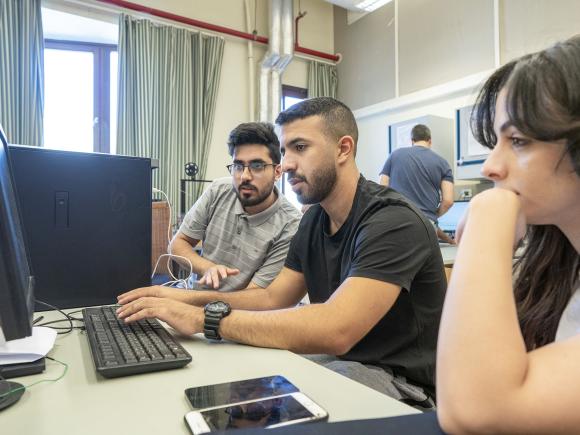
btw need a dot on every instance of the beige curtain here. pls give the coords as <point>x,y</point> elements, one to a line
<point>168,83</point>
<point>322,80</point>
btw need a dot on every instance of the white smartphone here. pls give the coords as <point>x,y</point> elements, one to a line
<point>268,412</point>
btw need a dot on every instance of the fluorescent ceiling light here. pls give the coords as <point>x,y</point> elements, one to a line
<point>371,5</point>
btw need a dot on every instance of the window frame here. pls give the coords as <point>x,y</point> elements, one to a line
<point>293,92</point>
<point>101,86</point>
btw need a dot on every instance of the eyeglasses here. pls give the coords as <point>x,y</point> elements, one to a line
<point>255,168</point>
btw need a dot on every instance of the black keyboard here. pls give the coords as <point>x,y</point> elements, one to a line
<point>121,349</point>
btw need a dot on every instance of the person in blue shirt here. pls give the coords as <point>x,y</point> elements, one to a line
<point>422,176</point>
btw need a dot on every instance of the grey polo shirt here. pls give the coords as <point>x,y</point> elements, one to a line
<point>255,244</point>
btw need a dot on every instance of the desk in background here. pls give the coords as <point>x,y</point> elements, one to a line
<point>154,403</point>
<point>448,252</point>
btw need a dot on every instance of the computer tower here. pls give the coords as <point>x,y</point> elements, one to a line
<point>87,219</point>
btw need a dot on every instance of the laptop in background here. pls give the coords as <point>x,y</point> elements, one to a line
<point>449,221</point>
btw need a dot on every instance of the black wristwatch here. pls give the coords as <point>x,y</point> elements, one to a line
<point>214,312</point>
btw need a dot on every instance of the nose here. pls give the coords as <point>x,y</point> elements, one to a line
<point>246,174</point>
<point>288,164</point>
<point>495,166</point>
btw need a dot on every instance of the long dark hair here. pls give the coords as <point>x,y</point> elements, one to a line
<point>543,102</point>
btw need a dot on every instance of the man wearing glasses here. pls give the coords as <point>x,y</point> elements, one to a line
<point>244,223</point>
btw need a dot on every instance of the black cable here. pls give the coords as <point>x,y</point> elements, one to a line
<point>70,320</point>
<point>70,314</point>
<point>67,328</point>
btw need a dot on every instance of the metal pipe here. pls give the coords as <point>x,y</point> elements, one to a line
<point>286,54</point>
<point>185,20</point>
<point>269,60</point>
<point>251,68</point>
<point>308,51</point>
<point>212,27</point>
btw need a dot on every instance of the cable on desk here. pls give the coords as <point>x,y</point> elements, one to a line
<point>24,387</point>
<point>67,317</point>
<point>70,314</point>
<point>175,279</point>
<point>66,328</point>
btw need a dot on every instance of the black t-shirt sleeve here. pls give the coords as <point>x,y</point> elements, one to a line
<point>299,244</point>
<point>293,256</point>
<point>391,246</point>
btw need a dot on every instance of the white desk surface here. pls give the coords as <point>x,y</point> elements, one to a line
<point>448,252</point>
<point>154,403</point>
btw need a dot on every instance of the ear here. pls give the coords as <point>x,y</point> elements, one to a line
<point>346,148</point>
<point>277,172</point>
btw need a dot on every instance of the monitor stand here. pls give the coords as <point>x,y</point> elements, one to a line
<point>11,398</point>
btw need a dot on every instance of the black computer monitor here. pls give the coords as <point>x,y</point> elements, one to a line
<point>87,219</point>
<point>16,281</point>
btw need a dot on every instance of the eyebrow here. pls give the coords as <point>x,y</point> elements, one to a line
<point>251,161</point>
<point>509,123</point>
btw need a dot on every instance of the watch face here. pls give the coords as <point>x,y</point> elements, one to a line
<point>217,307</point>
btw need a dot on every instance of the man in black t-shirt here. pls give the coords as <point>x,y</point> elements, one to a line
<point>368,259</point>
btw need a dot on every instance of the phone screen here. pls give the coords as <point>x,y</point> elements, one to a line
<point>260,413</point>
<point>239,391</point>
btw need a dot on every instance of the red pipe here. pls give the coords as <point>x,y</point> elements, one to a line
<point>316,53</point>
<point>308,51</point>
<point>190,21</point>
<point>213,27</point>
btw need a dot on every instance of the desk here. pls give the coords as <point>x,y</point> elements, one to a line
<point>154,403</point>
<point>448,252</point>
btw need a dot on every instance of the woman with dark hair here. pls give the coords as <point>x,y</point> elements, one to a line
<point>508,358</point>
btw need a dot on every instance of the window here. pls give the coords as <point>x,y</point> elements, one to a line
<point>79,100</point>
<point>290,96</point>
<point>80,81</point>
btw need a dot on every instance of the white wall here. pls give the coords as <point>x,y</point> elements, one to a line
<point>524,26</point>
<point>373,121</point>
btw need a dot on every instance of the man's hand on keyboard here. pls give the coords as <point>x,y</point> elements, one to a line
<point>156,291</point>
<point>182,317</point>
<point>214,275</point>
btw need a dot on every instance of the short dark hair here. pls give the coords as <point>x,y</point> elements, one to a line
<point>338,118</point>
<point>420,132</point>
<point>261,133</point>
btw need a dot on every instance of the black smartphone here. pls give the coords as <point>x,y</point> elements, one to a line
<point>238,391</point>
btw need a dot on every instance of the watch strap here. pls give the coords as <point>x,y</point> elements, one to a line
<point>211,326</point>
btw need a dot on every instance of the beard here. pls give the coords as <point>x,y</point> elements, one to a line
<point>320,185</point>
<point>259,197</point>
